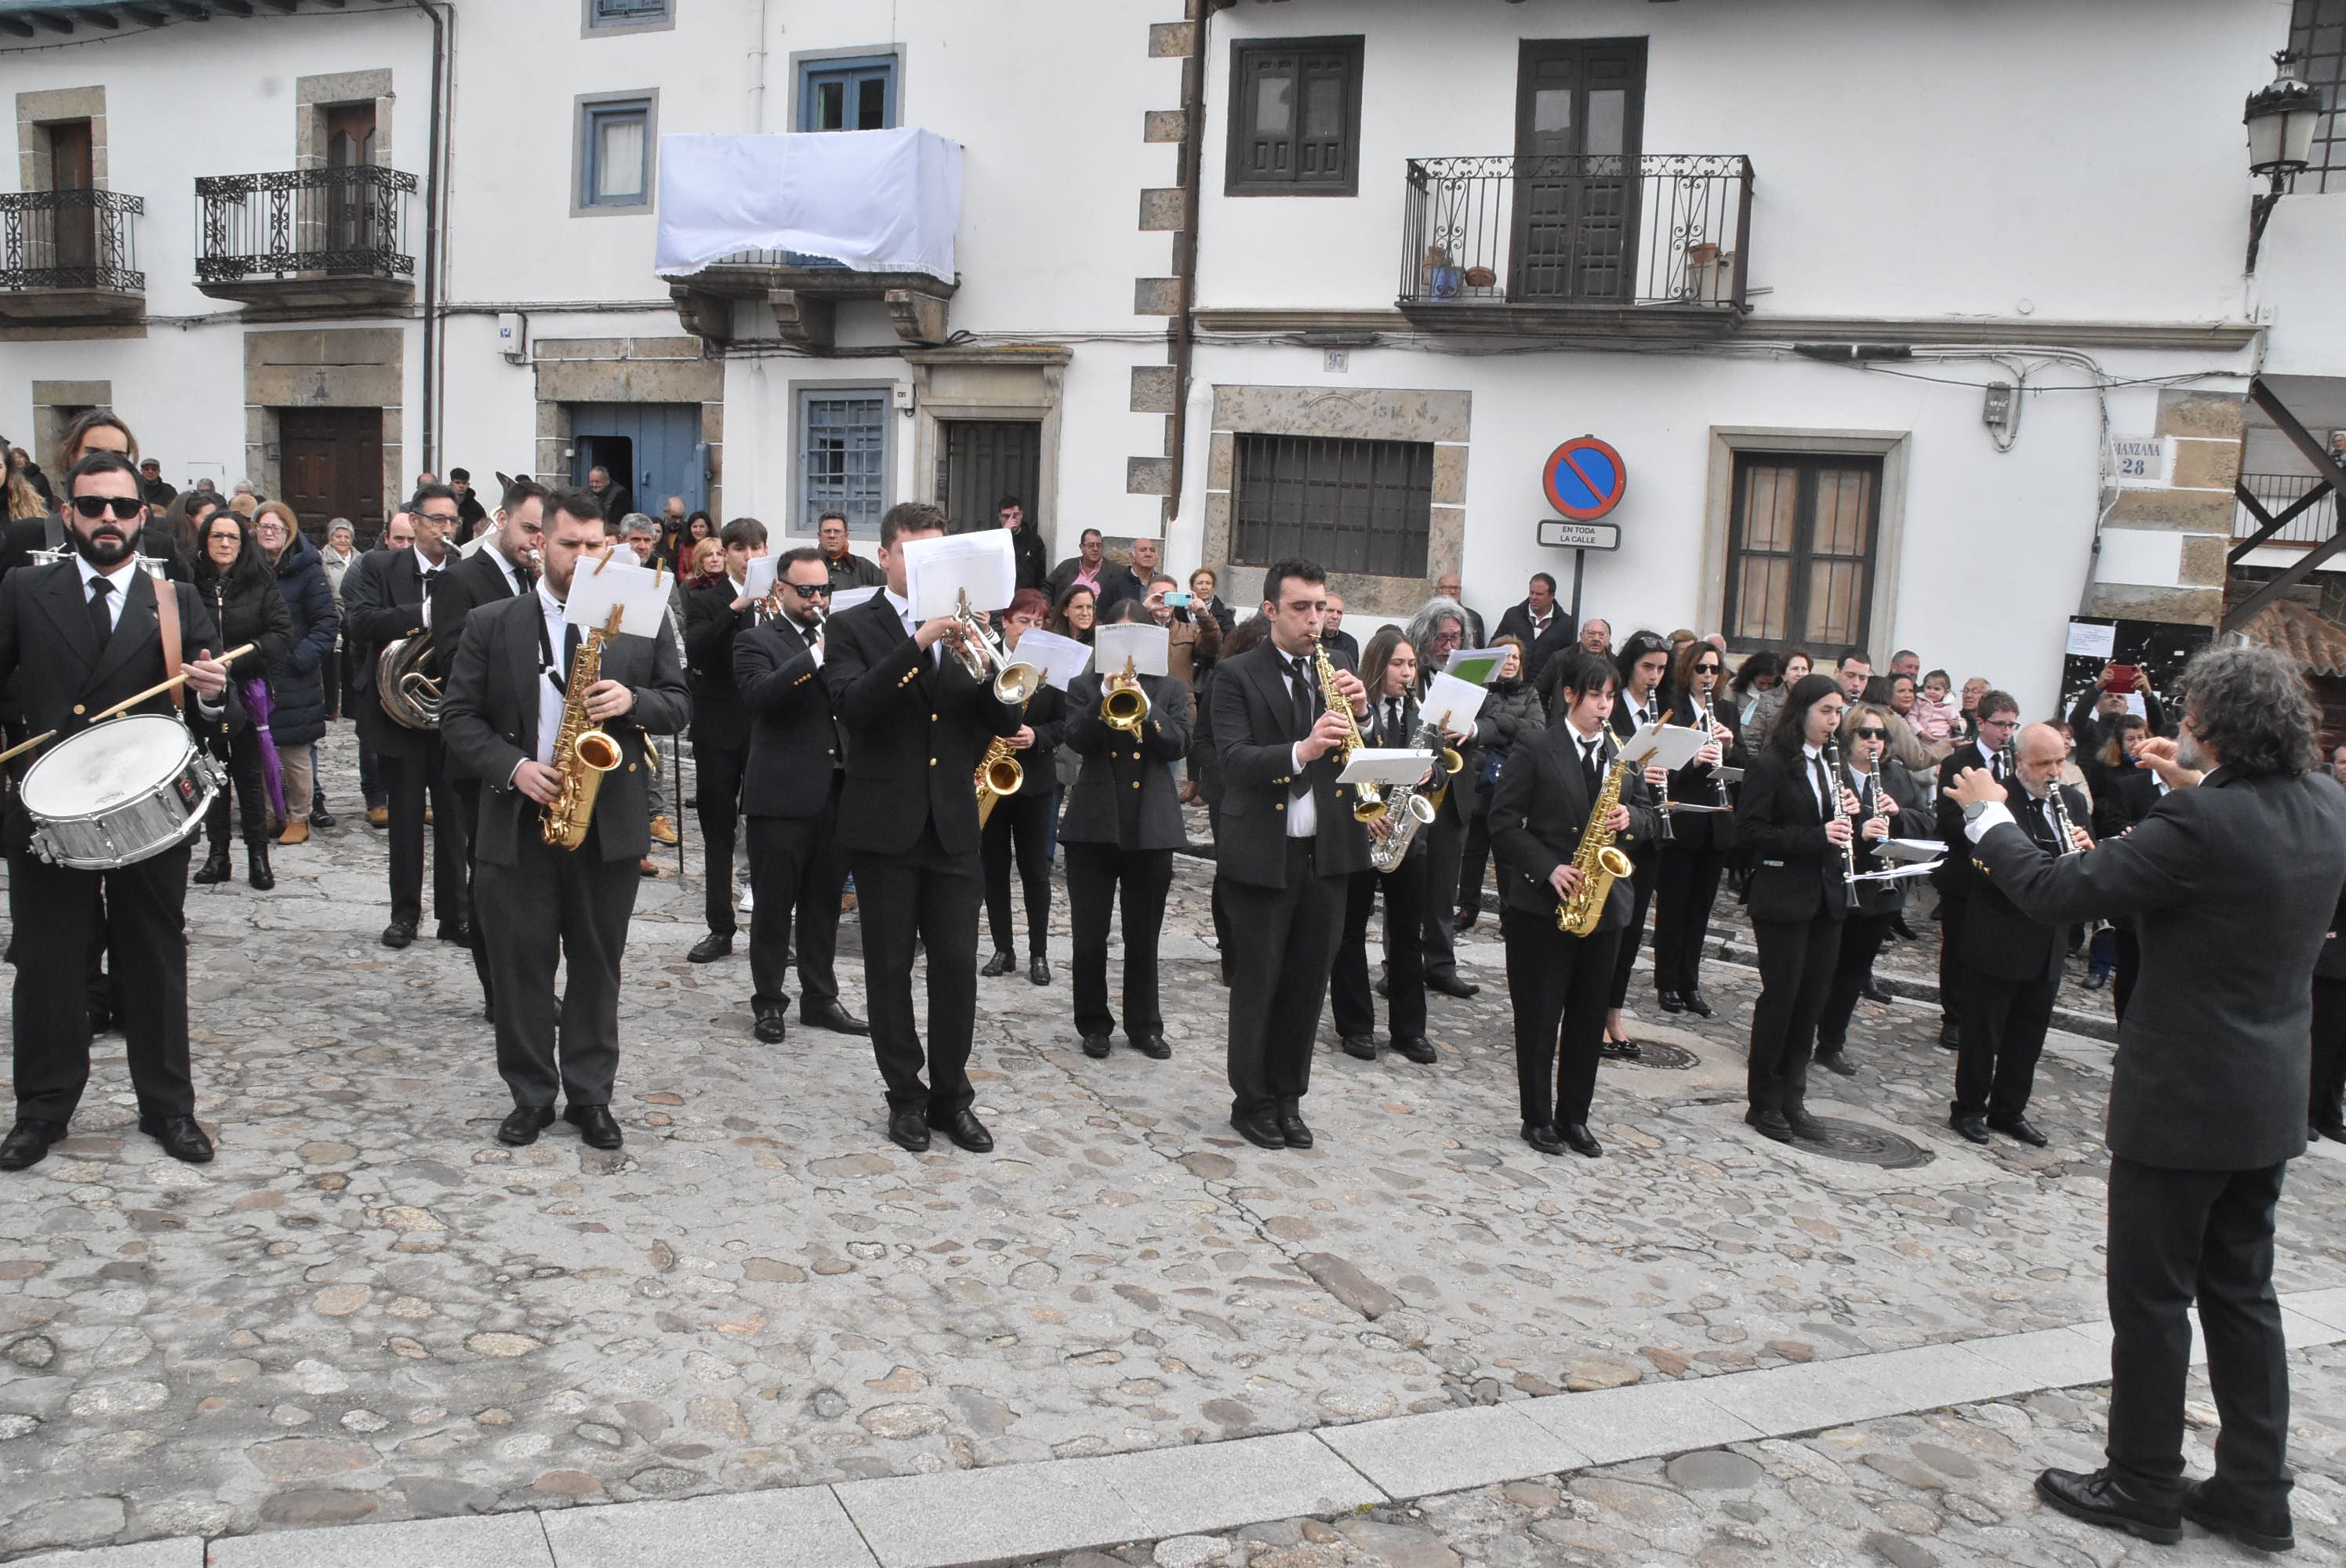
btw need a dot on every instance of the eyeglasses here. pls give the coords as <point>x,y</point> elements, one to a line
<point>124,507</point>
<point>439,516</point>
<point>1873,735</point>
<point>1999,724</point>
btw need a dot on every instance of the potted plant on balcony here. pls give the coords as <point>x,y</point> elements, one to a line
<point>1442,279</point>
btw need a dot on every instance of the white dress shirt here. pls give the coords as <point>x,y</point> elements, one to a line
<point>119,579</point>
<point>425,572</point>
<point>904,607</point>
<point>551,689</point>
<point>1302,810</point>
<point>1827,808</point>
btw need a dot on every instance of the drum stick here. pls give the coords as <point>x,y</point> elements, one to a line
<point>161,687</point>
<point>24,745</point>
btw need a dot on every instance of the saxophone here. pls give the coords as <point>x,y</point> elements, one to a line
<point>1596,861</point>
<point>1368,802</point>
<point>582,755</point>
<point>998,773</point>
<point>1408,807</point>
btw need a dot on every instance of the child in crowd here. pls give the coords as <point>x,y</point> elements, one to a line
<point>1935,713</point>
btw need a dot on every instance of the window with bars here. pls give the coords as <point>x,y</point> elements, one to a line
<point>848,95</point>
<point>2316,30</point>
<point>1350,506</point>
<point>843,459</point>
<point>1295,118</point>
<point>1800,546</point>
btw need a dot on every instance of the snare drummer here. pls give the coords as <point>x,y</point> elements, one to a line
<point>84,635</point>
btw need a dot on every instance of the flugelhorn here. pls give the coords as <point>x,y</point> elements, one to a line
<point>1123,704</point>
<point>982,654</point>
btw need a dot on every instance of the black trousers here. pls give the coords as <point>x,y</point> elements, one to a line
<point>1950,968</point>
<point>1020,823</point>
<point>409,780</point>
<point>241,753</point>
<point>1686,887</point>
<point>796,869</point>
<point>558,907</point>
<point>1796,967</point>
<point>1222,938</point>
<point>1097,875</point>
<point>1445,847</point>
<point>468,811</point>
<point>718,771</point>
<point>1285,944</point>
<point>1557,984</point>
<point>56,914</point>
<point>1625,958</point>
<point>1474,857</point>
<point>2177,1235</point>
<point>2128,953</point>
<point>2326,1104</point>
<point>2004,1024</point>
<point>929,895</point>
<point>1861,937</point>
<point>1353,1003</point>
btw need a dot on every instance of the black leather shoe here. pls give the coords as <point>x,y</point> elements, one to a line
<point>1382,988</point>
<point>1365,1047</point>
<point>2210,1506</point>
<point>1671,1001</point>
<point>1417,1048</point>
<point>101,1019</point>
<point>717,944</point>
<point>2095,979</point>
<point>2019,1127</point>
<point>1973,1128</point>
<point>1620,1050</point>
<point>455,933</point>
<point>524,1122</point>
<point>1293,1131</point>
<point>1836,1060</point>
<point>2335,1131</point>
<point>1898,926</point>
<point>215,866</point>
<point>999,964</point>
<point>1803,1124</point>
<point>320,819</point>
<point>1578,1139</point>
<point>831,1016</point>
<point>1152,1045</point>
<point>1872,991</point>
<point>182,1138</point>
<point>965,1131</point>
<point>1769,1124</point>
<point>1449,985</point>
<point>770,1027</point>
<point>2101,1499</point>
<point>399,934</point>
<point>1259,1130</point>
<point>1951,1034</point>
<point>27,1141</point>
<point>1695,1003</point>
<point>1543,1138</point>
<point>596,1127</point>
<point>1038,973</point>
<point>909,1130</point>
<point>256,874</point>
<point>1095,1047</point>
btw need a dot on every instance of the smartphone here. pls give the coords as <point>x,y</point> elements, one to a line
<point>2122,677</point>
<point>1181,599</point>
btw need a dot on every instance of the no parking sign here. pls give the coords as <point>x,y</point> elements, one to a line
<point>1585,478</point>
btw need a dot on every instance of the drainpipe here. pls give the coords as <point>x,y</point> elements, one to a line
<point>431,434</point>
<point>1184,243</point>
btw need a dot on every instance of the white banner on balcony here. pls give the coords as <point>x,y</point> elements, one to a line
<point>877,200</point>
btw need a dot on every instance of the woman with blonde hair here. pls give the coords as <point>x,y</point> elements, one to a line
<point>297,675</point>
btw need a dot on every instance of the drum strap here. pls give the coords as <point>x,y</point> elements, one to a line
<point>166,617</point>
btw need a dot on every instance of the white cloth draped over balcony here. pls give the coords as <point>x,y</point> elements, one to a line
<point>875,201</point>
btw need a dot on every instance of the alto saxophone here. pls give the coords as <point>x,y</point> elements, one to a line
<point>1407,807</point>
<point>1596,861</point>
<point>582,754</point>
<point>1369,801</point>
<point>998,773</point>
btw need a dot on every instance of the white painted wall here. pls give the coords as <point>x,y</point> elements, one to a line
<point>2297,281</point>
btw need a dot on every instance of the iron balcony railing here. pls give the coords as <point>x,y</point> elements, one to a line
<point>2275,493</point>
<point>340,221</point>
<point>1661,229</point>
<point>71,240</point>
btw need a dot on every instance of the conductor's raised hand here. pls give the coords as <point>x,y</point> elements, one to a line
<point>1976,786</point>
<point>2162,757</point>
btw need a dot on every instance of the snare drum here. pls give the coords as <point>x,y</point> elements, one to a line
<point>117,793</point>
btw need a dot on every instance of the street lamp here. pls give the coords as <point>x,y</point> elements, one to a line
<point>2280,118</point>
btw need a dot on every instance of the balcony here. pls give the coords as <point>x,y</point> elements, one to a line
<point>70,256</point>
<point>1576,247</point>
<point>2312,518</point>
<point>804,293</point>
<point>305,239</point>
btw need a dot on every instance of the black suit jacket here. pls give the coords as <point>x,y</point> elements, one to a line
<point>1713,830</point>
<point>1539,810</point>
<point>1799,873</point>
<point>380,606</point>
<point>1999,939</point>
<point>51,654</point>
<point>1254,738</point>
<point>2233,887</point>
<point>710,625</point>
<point>916,725</point>
<point>474,580</point>
<point>1126,795</point>
<point>489,720</point>
<point>795,739</point>
<point>2331,964</point>
<point>1561,633</point>
<point>1033,567</point>
<point>1957,877</point>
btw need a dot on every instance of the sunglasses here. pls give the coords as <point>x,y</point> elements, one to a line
<point>1707,669</point>
<point>806,590</point>
<point>1873,735</point>
<point>124,507</point>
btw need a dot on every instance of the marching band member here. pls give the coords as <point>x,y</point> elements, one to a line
<point>544,906</point>
<point>1994,715</point>
<point>1558,984</point>
<point>791,793</point>
<point>1643,667</point>
<point>917,723</point>
<point>96,639</point>
<point>1122,826</point>
<point>1878,782</point>
<point>1288,842</point>
<point>713,616</point>
<point>1437,631</point>
<point>1389,670</point>
<point>1018,825</point>
<point>1686,879</point>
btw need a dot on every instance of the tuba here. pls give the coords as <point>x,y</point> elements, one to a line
<point>582,754</point>
<point>402,684</point>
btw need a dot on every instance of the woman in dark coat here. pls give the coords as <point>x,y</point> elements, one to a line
<point>297,681</point>
<point>1686,881</point>
<point>237,585</point>
<point>1515,706</point>
<point>1019,823</point>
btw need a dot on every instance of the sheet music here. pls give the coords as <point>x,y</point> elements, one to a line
<point>939,571</point>
<point>605,583</point>
<point>1149,647</point>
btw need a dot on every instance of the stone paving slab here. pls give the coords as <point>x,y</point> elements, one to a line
<point>187,1552</point>
<point>506,1540</point>
<point>800,1527</point>
<point>1445,1451</point>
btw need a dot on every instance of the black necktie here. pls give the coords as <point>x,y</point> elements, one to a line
<point>569,651</point>
<point>1299,785</point>
<point>101,619</point>
<point>1588,750</point>
<point>1393,721</point>
<point>1824,791</point>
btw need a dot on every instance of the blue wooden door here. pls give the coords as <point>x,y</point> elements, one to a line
<point>655,447</point>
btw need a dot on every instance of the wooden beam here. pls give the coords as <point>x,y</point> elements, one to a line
<point>15,26</point>
<point>152,15</point>
<point>53,22</point>
<point>2324,464</point>
<point>233,7</point>
<point>283,8</point>
<point>99,17</point>
<point>2234,619</point>
<point>2268,524</point>
<point>193,10</point>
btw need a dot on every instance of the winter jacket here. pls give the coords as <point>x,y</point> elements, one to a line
<point>297,676</point>
<point>246,609</point>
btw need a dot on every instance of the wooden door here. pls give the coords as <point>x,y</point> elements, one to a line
<point>1579,126</point>
<point>349,209</point>
<point>331,460</point>
<point>653,448</point>
<point>985,460</point>
<point>72,166</point>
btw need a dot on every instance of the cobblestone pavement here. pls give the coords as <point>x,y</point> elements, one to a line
<point>368,1310</point>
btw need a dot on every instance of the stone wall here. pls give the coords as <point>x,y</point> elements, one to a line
<point>625,370</point>
<point>2198,507</point>
<point>318,367</point>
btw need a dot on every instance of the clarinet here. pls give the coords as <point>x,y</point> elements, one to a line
<point>1839,778</point>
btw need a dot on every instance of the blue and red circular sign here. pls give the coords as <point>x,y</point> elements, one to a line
<point>1585,478</point>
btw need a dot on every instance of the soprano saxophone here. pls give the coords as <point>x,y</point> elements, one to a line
<point>1369,801</point>
<point>581,753</point>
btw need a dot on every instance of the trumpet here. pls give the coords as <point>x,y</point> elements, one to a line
<point>982,654</point>
<point>1123,704</point>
